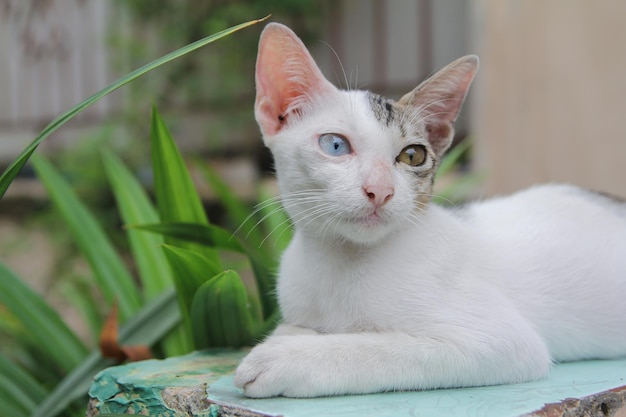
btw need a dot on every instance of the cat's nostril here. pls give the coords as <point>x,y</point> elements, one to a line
<point>378,195</point>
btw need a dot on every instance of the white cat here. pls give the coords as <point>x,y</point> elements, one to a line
<point>381,290</point>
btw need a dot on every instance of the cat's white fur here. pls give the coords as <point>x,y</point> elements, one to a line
<point>402,294</point>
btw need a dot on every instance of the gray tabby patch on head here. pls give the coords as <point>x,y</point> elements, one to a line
<point>383,108</point>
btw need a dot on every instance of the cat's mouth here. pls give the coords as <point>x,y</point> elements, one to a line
<point>373,219</point>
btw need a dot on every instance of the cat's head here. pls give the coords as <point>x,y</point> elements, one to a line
<point>352,165</point>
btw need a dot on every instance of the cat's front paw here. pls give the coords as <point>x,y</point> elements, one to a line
<point>277,368</point>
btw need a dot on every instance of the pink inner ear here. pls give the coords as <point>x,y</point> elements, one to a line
<point>286,77</point>
<point>439,99</point>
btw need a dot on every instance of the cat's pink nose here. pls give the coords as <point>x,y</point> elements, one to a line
<point>378,194</point>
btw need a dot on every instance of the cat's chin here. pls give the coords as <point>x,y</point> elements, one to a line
<point>366,230</point>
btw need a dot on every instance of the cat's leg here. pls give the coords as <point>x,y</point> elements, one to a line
<point>334,364</point>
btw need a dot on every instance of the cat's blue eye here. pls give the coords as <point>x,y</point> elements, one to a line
<point>334,145</point>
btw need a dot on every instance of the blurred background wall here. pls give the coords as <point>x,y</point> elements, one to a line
<point>548,104</point>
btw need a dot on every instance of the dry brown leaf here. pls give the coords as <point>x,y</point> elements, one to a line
<point>109,342</point>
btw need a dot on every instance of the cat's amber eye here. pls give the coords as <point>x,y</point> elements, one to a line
<point>413,155</point>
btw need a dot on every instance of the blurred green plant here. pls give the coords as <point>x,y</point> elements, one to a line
<point>194,81</point>
<point>450,189</point>
<point>209,307</point>
<point>47,371</point>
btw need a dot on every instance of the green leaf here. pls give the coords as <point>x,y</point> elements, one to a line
<point>266,283</point>
<point>9,408</point>
<point>208,235</point>
<point>221,315</point>
<point>154,270</point>
<point>191,270</point>
<point>277,226</point>
<point>262,265</point>
<point>451,159</point>
<point>18,389</point>
<point>78,293</point>
<point>135,208</point>
<point>147,326</point>
<point>461,188</point>
<point>264,255</point>
<point>236,210</point>
<point>45,327</point>
<point>177,199</point>
<point>11,172</point>
<point>112,276</point>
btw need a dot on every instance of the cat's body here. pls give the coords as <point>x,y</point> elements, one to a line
<point>382,290</point>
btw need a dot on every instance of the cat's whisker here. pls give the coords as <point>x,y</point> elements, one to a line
<point>343,70</point>
<point>314,213</point>
<point>287,221</point>
<point>415,219</point>
<point>326,227</point>
<point>259,207</point>
<point>442,198</point>
<point>265,217</point>
<point>304,214</point>
<point>286,200</point>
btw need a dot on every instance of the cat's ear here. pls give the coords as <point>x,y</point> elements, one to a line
<point>287,78</point>
<point>438,100</point>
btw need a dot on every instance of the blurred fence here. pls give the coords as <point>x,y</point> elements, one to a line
<point>53,54</point>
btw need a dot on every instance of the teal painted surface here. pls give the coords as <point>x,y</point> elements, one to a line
<point>569,380</point>
<point>138,386</point>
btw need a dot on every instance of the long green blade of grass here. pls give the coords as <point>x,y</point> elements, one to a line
<point>148,326</point>
<point>136,208</point>
<point>154,270</point>
<point>236,210</point>
<point>277,225</point>
<point>8,408</point>
<point>112,276</point>
<point>451,159</point>
<point>18,389</point>
<point>177,198</point>
<point>208,235</point>
<point>11,172</point>
<point>78,292</point>
<point>44,325</point>
<point>191,270</point>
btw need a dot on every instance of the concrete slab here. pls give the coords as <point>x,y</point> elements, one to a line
<point>590,388</point>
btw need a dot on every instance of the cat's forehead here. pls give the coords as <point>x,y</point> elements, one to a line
<point>384,108</point>
<point>392,114</point>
